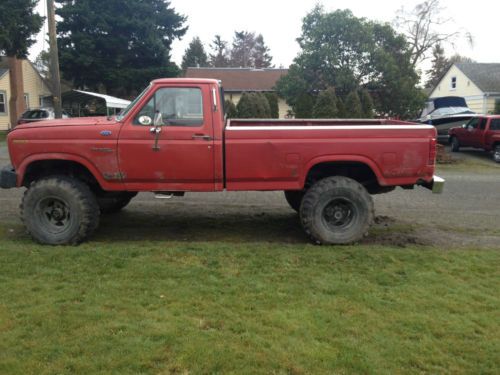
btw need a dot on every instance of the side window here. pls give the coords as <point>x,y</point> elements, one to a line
<point>178,106</point>
<point>3,103</point>
<point>495,124</point>
<point>473,123</point>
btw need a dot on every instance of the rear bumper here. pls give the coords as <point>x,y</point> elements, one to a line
<point>8,178</point>
<point>436,185</point>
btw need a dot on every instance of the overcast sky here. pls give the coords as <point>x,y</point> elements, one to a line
<point>280,22</point>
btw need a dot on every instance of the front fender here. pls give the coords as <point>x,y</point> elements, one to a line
<point>98,175</point>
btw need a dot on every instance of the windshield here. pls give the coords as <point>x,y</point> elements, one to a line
<point>126,110</point>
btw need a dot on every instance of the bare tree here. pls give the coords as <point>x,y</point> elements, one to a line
<point>423,27</point>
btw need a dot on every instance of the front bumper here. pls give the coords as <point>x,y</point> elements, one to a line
<point>8,178</point>
<point>436,185</point>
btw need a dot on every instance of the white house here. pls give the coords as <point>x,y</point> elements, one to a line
<point>478,83</point>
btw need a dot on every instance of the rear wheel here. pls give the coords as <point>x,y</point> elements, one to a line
<point>294,198</point>
<point>336,211</point>
<point>455,145</point>
<point>59,210</point>
<point>496,154</point>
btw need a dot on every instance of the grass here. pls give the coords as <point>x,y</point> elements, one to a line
<point>3,136</point>
<point>160,307</point>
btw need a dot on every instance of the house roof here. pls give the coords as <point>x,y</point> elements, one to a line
<point>3,72</point>
<point>240,79</point>
<point>486,76</point>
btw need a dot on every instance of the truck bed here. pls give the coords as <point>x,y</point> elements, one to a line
<point>278,154</point>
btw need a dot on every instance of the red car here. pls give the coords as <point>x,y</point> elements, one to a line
<point>173,139</point>
<point>480,132</point>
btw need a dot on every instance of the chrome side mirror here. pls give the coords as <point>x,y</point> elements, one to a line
<point>158,121</point>
<point>145,120</point>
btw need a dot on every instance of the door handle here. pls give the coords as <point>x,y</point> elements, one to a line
<point>202,137</point>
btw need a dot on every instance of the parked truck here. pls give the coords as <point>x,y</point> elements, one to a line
<point>479,132</point>
<point>173,139</point>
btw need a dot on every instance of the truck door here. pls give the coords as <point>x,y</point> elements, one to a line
<point>177,156</point>
<point>477,135</point>
<point>466,135</point>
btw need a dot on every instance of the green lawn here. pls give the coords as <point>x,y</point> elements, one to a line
<point>3,136</point>
<point>139,307</point>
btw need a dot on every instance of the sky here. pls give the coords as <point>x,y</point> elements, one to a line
<point>280,23</point>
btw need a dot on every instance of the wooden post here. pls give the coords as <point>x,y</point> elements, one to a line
<point>54,60</point>
<point>16,101</point>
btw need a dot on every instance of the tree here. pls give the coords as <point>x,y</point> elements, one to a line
<point>18,24</point>
<point>242,51</point>
<point>348,53</point>
<point>253,105</point>
<point>117,46</point>
<point>497,107</point>
<point>230,109</point>
<point>341,109</point>
<point>261,55</point>
<point>424,27</point>
<point>353,105</point>
<point>220,56</point>
<point>440,65</point>
<point>326,105</point>
<point>304,105</point>
<point>274,108</point>
<point>366,104</point>
<point>195,55</point>
<point>42,63</point>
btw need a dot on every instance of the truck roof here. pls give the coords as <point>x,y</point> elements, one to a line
<point>185,80</point>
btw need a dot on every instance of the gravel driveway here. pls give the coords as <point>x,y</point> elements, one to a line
<point>466,214</point>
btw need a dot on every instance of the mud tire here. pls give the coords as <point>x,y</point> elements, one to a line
<point>336,211</point>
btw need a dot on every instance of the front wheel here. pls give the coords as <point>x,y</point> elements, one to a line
<point>336,211</point>
<point>59,210</point>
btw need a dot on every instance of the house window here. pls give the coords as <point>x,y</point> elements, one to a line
<point>453,83</point>
<point>27,101</point>
<point>3,103</point>
<point>40,101</point>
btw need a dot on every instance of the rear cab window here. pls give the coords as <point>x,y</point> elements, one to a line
<point>495,124</point>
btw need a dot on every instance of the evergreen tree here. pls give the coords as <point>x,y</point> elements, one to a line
<point>303,107</point>
<point>366,104</point>
<point>195,55</point>
<point>326,105</point>
<point>18,25</point>
<point>253,105</point>
<point>341,109</point>
<point>261,55</point>
<point>117,46</point>
<point>220,56</point>
<point>353,105</point>
<point>242,51</point>
<point>440,65</point>
<point>272,98</point>
<point>230,109</point>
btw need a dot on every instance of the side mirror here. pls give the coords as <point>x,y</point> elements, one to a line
<point>158,121</point>
<point>145,120</point>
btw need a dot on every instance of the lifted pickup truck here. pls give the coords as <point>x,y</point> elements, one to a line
<point>173,139</point>
<point>480,132</point>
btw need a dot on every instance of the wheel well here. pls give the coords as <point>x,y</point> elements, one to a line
<point>44,168</point>
<point>358,171</point>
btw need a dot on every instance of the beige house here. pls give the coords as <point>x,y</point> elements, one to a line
<point>34,87</point>
<point>478,83</point>
<point>236,81</point>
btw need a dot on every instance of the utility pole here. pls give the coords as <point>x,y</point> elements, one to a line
<point>54,59</point>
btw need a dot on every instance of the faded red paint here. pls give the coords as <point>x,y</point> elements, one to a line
<point>265,155</point>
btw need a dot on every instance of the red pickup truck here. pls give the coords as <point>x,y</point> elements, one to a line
<point>480,132</point>
<point>173,139</point>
